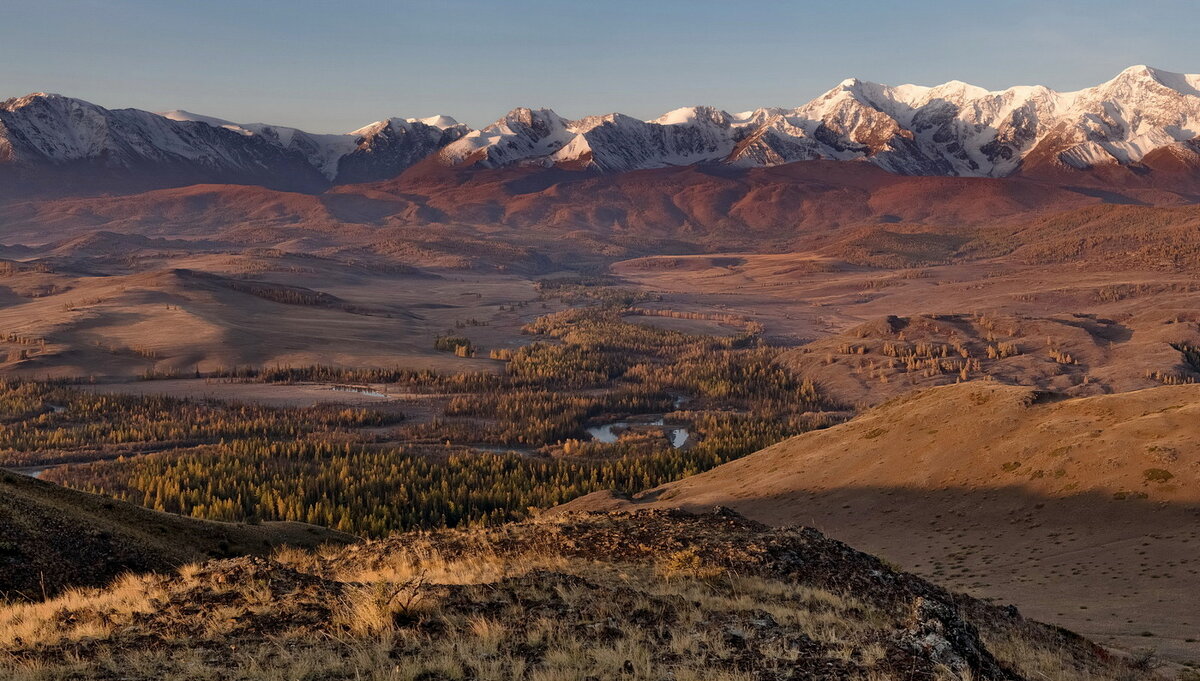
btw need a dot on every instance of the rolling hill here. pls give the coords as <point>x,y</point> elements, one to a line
<point>1081,511</point>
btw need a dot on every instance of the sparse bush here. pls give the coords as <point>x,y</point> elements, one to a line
<point>1157,474</point>
<point>1145,660</point>
<point>690,563</point>
<point>1191,354</point>
<point>377,607</point>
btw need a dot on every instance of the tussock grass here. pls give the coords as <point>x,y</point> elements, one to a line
<point>76,614</point>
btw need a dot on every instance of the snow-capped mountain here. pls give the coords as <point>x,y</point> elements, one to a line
<point>377,151</point>
<point>387,148</point>
<point>45,136</point>
<point>321,151</point>
<point>959,129</point>
<point>616,142</point>
<point>949,129</point>
<point>42,133</point>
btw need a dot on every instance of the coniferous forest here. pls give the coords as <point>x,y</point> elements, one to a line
<point>504,444</point>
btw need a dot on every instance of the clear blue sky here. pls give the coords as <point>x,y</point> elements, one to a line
<point>333,66</point>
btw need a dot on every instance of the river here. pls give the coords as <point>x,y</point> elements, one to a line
<point>610,432</point>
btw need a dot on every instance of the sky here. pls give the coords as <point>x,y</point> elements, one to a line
<point>330,66</point>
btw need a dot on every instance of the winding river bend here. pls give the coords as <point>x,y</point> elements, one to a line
<point>611,432</point>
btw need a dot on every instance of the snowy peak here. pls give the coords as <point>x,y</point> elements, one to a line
<point>439,122</point>
<point>609,143</point>
<point>432,122</point>
<point>387,148</point>
<point>1149,76</point>
<point>1136,82</point>
<point>181,115</point>
<point>46,139</point>
<point>522,135</point>
<point>52,126</point>
<point>380,150</point>
<point>21,102</point>
<point>1121,121</point>
<point>950,129</point>
<point>174,147</point>
<point>695,115</point>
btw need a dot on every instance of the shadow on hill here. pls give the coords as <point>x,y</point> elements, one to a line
<point>1118,568</point>
<point>1107,196</point>
<point>53,538</point>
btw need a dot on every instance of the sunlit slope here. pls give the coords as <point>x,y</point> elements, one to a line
<point>1081,511</point>
<point>983,435</point>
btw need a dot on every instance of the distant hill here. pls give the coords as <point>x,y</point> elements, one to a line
<point>52,537</point>
<point>1076,354</point>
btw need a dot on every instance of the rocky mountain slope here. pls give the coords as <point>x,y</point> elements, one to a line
<point>1142,118</point>
<point>655,595</point>
<point>52,537</point>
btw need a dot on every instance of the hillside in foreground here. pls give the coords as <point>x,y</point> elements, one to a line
<point>652,595</point>
<point>52,537</point>
<point>1080,511</point>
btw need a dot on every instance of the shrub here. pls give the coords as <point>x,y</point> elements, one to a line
<point>688,563</point>
<point>1157,475</point>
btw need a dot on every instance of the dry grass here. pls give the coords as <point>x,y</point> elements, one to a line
<point>76,614</point>
<point>381,603</point>
<point>1050,664</point>
<point>484,606</point>
<point>481,563</point>
<point>379,606</point>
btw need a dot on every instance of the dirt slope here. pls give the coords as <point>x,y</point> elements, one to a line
<point>52,537</point>
<point>1082,512</point>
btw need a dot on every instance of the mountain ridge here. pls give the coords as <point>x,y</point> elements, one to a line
<point>1143,116</point>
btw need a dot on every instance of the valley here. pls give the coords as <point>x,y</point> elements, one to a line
<point>555,359</point>
<point>601,398</point>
